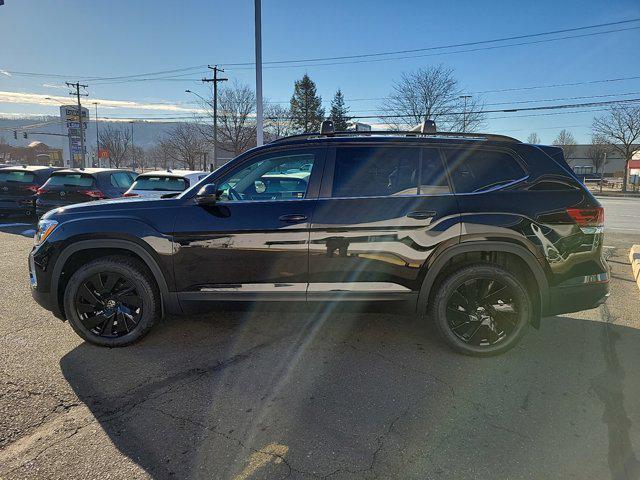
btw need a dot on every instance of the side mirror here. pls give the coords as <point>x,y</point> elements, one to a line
<point>208,195</point>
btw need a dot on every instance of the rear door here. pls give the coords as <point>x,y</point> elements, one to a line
<point>383,211</point>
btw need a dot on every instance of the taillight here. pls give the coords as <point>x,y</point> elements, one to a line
<point>31,188</point>
<point>97,194</point>
<point>41,190</point>
<point>590,220</point>
<point>128,194</point>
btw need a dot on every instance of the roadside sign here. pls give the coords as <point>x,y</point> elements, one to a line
<point>76,125</point>
<point>103,153</point>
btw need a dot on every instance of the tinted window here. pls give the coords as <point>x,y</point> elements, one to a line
<point>69,180</point>
<point>16,176</point>
<point>273,176</point>
<point>121,180</point>
<point>475,170</point>
<point>376,171</point>
<point>159,183</point>
<point>434,178</point>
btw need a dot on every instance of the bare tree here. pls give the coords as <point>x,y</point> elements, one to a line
<point>236,118</point>
<point>567,142</point>
<point>117,142</point>
<point>533,138</point>
<point>620,129</point>
<point>159,156</point>
<point>185,145</point>
<point>432,93</point>
<point>277,121</point>
<point>597,153</point>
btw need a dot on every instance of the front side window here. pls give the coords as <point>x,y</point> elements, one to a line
<point>275,176</point>
<point>476,170</point>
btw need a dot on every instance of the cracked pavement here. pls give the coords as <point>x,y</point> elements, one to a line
<point>307,395</point>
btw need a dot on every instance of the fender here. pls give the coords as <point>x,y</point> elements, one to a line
<point>481,246</point>
<point>168,299</point>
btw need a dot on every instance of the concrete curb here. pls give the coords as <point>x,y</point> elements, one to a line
<point>634,258</point>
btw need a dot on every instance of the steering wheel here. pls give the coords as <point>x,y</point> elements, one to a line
<point>233,194</point>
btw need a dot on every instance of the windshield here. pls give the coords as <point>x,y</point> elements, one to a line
<point>160,183</point>
<point>70,180</point>
<point>16,176</point>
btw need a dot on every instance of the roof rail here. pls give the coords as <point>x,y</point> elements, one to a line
<point>374,133</point>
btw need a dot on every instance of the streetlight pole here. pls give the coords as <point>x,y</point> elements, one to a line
<point>259,113</point>
<point>97,138</point>
<point>133,147</point>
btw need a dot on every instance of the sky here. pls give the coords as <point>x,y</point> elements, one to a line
<point>45,43</point>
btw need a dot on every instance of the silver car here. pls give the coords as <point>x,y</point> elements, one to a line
<point>161,182</point>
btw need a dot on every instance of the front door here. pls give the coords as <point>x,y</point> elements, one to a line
<point>253,243</point>
<point>382,213</point>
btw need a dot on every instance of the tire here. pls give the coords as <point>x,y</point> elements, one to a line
<point>481,310</point>
<point>112,301</point>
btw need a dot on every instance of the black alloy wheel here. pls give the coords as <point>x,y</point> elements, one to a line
<point>482,312</point>
<point>108,305</point>
<point>112,301</point>
<point>482,309</point>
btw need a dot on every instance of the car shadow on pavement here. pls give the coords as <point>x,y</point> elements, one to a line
<point>269,395</point>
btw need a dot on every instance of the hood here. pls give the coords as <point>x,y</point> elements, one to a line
<point>112,206</point>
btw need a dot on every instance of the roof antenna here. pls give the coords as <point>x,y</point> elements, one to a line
<point>428,126</point>
<point>326,128</point>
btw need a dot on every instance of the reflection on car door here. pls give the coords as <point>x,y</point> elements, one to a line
<point>381,213</point>
<point>252,244</point>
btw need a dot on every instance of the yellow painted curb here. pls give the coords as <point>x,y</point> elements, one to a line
<point>634,258</point>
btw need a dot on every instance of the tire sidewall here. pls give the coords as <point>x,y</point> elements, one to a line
<point>471,272</point>
<point>143,286</point>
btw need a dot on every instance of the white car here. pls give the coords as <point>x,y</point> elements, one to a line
<point>161,182</point>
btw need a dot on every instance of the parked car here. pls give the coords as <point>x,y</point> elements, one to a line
<point>480,234</point>
<point>163,182</point>
<point>76,185</point>
<point>18,187</point>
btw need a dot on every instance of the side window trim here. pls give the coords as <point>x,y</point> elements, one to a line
<point>314,179</point>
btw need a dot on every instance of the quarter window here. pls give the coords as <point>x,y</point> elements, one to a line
<point>477,170</point>
<point>121,180</point>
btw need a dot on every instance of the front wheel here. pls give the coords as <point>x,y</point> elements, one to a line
<point>482,310</point>
<point>112,301</point>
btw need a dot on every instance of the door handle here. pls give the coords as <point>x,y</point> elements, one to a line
<point>293,218</point>
<point>421,214</point>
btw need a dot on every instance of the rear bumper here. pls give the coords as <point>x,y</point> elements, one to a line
<point>18,206</point>
<point>574,297</point>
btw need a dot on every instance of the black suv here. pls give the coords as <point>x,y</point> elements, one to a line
<point>18,187</point>
<point>75,185</point>
<point>481,234</point>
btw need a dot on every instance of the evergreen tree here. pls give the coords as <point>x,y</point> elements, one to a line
<point>306,106</point>
<point>339,112</point>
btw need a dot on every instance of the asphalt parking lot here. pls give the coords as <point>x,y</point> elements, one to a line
<point>248,395</point>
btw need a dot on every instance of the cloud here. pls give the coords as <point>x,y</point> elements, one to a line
<point>51,85</point>
<point>52,100</point>
<point>4,72</point>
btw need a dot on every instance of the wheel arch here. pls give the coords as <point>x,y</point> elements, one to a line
<point>443,260</point>
<point>110,246</point>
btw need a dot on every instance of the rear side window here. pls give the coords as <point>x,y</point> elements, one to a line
<point>121,180</point>
<point>160,184</point>
<point>376,171</point>
<point>70,180</point>
<point>16,176</point>
<point>388,171</point>
<point>478,170</point>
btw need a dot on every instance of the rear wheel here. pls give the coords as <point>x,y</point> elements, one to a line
<point>112,301</point>
<point>482,310</point>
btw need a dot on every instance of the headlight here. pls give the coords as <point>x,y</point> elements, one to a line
<point>45,227</point>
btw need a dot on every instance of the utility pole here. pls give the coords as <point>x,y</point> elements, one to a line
<point>215,81</point>
<point>464,112</point>
<point>259,113</point>
<point>77,93</point>
<point>97,138</point>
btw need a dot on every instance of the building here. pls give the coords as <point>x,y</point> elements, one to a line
<point>36,153</point>
<point>580,162</point>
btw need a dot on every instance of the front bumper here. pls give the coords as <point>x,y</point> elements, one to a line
<point>40,286</point>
